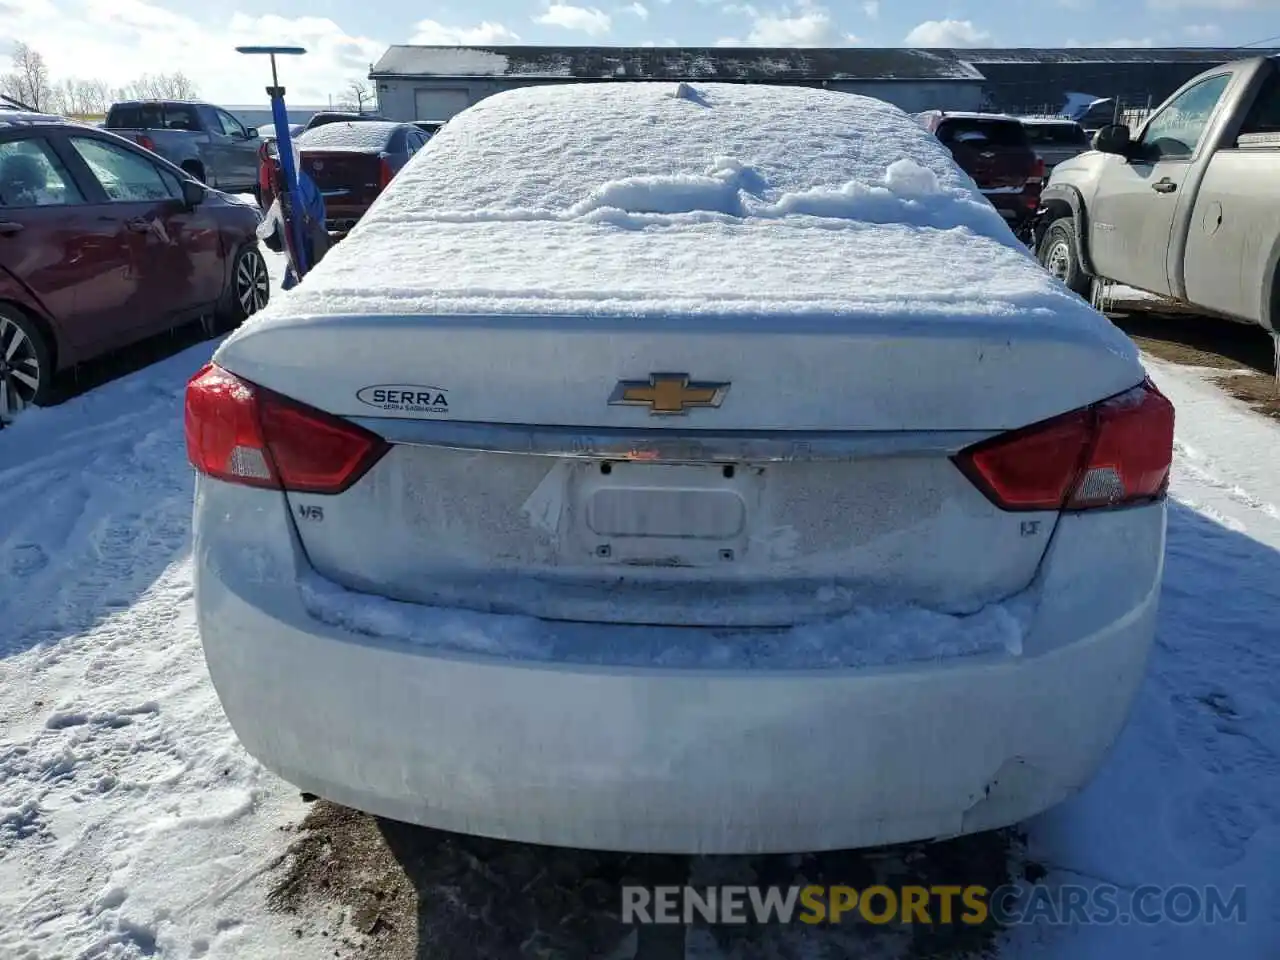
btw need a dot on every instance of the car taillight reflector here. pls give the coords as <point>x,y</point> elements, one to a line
<point>242,433</point>
<point>1115,452</point>
<point>146,143</point>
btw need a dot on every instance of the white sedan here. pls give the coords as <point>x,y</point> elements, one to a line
<point>698,468</point>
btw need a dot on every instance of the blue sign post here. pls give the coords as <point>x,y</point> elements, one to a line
<point>284,148</point>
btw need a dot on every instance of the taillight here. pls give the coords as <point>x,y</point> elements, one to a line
<point>1115,452</point>
<point>242,433</point>
<point>385,173</point>
<point>1038,170</point>
<point>146,142</point>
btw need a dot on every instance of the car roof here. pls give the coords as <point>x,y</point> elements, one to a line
<point>973,115</point>
<point>147,101</point>
<point>25,118</point>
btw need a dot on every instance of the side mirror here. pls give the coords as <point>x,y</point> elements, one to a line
<point>251,133</point>
<point>193,193</point>
<point>1113,138</point>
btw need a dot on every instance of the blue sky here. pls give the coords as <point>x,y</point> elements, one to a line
<point>116,40</point>
<point>886,23</point>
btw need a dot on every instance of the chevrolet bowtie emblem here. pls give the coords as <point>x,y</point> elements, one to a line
<point>668,393</point>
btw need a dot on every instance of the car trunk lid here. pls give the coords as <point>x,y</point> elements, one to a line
<point>344,176</point>
<point>534,468</point>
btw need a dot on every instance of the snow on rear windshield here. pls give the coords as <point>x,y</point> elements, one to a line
<point>572,150</point>
<point>362,136</point>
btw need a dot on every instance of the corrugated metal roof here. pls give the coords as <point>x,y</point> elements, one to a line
<point>1209,56</point>
<point>676,63</point>
<point>778,64</point>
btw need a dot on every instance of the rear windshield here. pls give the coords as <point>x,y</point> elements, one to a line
<point>976,131</point>
<point>1264,116</point>
<point>153,116</point>
<point>364,137</point>
<point>1056,135</point>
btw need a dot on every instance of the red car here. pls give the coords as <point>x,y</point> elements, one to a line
<point>351,161</point>
<point>102,244</point>
<point>995,151</point>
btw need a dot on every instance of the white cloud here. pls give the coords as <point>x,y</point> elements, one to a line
<point>432,34</point>
<point>118,40</point>
<point>585,19</point>
<point>808,26</point>
<point>1203,32</point>
<point>1128,42</point>
<point>872,9</point>
<point>947,33</point>
<point>639,9</point>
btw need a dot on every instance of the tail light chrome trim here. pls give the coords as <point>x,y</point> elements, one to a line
<point>668,445</point>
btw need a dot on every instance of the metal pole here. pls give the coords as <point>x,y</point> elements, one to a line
<point>284,148</point>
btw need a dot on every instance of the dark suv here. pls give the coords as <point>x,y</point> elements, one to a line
<point>994,150</point>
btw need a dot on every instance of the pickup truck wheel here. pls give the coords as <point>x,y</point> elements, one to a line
<point>26,365</point>
<point>248,289</point>
<point>1059,255</point>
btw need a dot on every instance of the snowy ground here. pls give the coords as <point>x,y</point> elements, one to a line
<point>132,824</point>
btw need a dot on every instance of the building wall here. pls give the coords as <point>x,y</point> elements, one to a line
<point>1018,87</point>
<point>409,99</point>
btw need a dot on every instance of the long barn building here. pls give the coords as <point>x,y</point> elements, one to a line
<point>434,83</point>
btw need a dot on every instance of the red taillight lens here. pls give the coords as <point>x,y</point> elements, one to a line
<point>146,142</point>
<point>1115,452</point>
<point>242,433</point>
<point>385,173</point>
<point>1038,172</point>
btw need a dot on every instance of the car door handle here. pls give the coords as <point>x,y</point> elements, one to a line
<point>1164,186</point>
<point>8,228</point>
<point>138,225</point>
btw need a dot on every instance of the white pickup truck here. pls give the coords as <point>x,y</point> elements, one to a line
<point>1188,209</point>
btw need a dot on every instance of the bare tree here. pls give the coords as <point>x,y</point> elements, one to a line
<point>356,96</point>
<point>28,82</point>
<point>159,86</point>
<point>84,98</point>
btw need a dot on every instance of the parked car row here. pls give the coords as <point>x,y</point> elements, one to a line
<point>104,243</point>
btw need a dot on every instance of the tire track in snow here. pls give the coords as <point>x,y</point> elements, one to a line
<point>1191,792</point>
<point>123,791</point>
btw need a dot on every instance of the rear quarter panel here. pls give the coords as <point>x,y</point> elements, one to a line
<point>1233,234</point>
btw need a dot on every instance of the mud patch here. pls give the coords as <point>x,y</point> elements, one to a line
<point>409,893</point>
<point>1243,353</point>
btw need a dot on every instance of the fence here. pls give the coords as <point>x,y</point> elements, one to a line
<point>1118,112</point>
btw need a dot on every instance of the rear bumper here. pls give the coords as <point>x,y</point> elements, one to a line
<point>342,217</point>
<point>676,760</point>
<point>1015,207</point>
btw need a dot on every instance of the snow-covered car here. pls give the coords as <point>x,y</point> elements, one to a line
<point>698,468</point>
